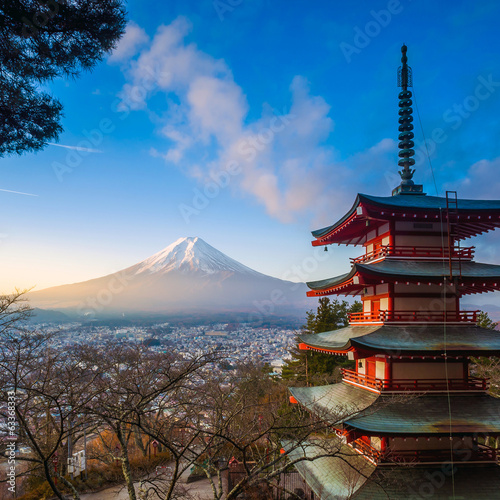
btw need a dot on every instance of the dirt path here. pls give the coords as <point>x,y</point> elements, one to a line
<point>200,490</point>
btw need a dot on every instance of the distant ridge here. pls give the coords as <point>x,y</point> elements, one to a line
<point>189,276</point>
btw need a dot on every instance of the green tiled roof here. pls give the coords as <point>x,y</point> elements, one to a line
<point>416,203</point>
<point>429,203</point>
<point>334,403</point>
<point>346,474</point>
<point>413,270</point>
<point>401,414</point>
<point>429,414</point>
<point>419,339</point>
<point>331,477</point>
<point>472,482</point>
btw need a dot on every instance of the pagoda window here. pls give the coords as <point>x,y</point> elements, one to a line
<point>433,304</point>
<point>380,369</point>
<point>417,226</point>
<point>408,240</point>
<point>427,370</point>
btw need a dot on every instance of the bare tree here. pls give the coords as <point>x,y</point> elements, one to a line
<point>138,390</point>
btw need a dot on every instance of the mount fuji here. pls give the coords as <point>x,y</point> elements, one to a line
<point>189,276</point>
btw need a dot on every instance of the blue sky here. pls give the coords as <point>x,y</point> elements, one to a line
<point>249,123</point>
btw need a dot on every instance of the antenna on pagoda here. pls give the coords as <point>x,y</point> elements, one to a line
<point>406,153</point>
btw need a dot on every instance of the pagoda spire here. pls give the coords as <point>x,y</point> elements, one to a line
<point>406,143</point>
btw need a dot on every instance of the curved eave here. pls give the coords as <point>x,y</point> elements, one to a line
<point>474,216</point>
<point>426,415</point>
<point>334,403</point>
<point>326,231</point>
<point>326,475</point>
<point>472,277</point>
<point>347,284</point>
<point>461,340</point>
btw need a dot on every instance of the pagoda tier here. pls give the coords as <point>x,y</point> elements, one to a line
<point>419,341</point>
<point>469,278</point>
<point>377,425</point>
<point>346,475</point>
<point>346,406</point>
<point>402,214</point>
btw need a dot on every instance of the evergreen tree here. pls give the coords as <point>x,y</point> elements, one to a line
<point>41,40</point>
<point>487,367</point>
<point>315,368</point>
<point>484,321</point>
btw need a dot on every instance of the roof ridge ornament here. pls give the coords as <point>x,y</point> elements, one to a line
<point>406,153</point>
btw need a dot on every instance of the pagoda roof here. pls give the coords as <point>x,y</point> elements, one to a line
<point>430,414</point>
<point>330,477</point>
<point>473,277</point>
<point>346,474</point>
<point>375,414</point>
<point>334,403</point>
<point>480,482</point>
<point>429,340</point>
<point>473,216</point>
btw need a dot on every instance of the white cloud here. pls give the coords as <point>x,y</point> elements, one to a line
<point>285,164</point>
<point>129,44</point>
<point>482,181</point>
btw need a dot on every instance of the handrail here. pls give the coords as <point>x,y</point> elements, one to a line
<point>463,253</point>
<point>420,385</point>
<point>412,316</point>
<point>484,453</point>
<point>366,449</point>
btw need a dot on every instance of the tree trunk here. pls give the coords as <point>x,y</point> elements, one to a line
<point>139,443</point>
<point>127,472</point>
<point>76,496</point>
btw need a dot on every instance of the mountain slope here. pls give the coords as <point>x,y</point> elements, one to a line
<point>187,276</point>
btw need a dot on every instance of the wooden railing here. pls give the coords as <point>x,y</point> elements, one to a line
<point>367,450</point>
<point>480,454</point>
<point>417,385</point>
<point>414,316</point>
<point>466,253</point>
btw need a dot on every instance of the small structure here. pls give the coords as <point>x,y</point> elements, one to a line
<point>411,399</point>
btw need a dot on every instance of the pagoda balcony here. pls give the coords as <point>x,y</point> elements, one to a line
<point>415,385</point>
<point>381,317</point>
<point>480,454</point>
<point>408,252</point>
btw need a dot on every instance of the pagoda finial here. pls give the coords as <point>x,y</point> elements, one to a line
<point>406,143</point>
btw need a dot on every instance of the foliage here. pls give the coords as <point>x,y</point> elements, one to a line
<point>487,367</point>
<point>42,40</point>
<point>484,321</point>
<point>318,368</point>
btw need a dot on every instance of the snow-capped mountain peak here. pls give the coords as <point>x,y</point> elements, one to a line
<point>191,254</point>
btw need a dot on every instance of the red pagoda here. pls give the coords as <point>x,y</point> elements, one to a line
<point>411,421</point>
